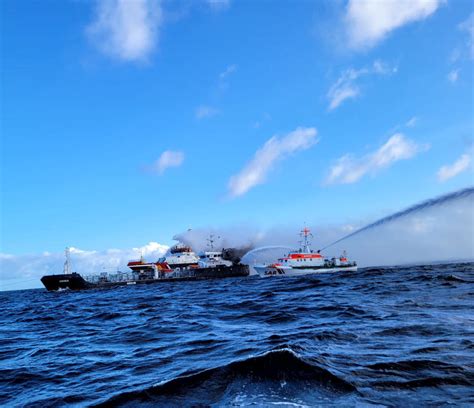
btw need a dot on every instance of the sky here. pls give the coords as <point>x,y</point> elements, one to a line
<point>126,122</point>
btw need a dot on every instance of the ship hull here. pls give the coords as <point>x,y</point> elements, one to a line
<point>265,271</point>
<point>75,281</point>
<point>220,271</point>
<point>72,281</point>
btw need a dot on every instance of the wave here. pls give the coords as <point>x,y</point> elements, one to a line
<point>424,382</point>
<point>415,365</point>
<point>283,368</point>
<point>427,373</point>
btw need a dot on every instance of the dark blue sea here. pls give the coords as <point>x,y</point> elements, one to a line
<point>401,336</point>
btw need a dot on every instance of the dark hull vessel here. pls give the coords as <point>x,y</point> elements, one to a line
<point>72,281</point>
<point>75,281</point>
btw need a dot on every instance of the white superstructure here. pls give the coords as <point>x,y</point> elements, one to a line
<point>211,258</point>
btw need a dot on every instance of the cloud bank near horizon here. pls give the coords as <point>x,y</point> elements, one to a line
<point>24,271</point>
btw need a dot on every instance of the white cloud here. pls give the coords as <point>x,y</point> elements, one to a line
<point>25,271</point>
<point>205,111</point>
<point>265,118</point>
<point>468,27</point>
<point>453,76</point>
<point>274,149</point>
<point>382,68</point>
<point>342,90</point>
<point>218,5</point>
<point>346,86</point>
<point>228,71</point>
<point>370,21</point>
<point>167,159</point>
<point>349,169</point>
<point>125,29</point>
<point>223,81</point>
<point>450,170</point>
<point>412,122</point>
<point>152,249</point>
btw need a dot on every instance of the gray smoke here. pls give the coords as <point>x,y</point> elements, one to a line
<point>231,237</point>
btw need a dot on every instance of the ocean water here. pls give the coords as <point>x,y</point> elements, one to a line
<point>401,336</point>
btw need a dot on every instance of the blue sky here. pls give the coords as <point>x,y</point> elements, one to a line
<point>127,122</point>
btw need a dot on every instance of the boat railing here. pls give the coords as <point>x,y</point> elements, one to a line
<point>110,277</point>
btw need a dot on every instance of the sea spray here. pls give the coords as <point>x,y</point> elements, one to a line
<point>428,204</point>
<point>264,254</point>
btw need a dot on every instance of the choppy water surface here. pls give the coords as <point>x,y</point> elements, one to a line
<point>385,336</point>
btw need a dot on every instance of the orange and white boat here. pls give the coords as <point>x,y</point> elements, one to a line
<point>305,261</point>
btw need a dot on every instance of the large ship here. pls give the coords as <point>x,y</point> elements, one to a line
<point>305,261</point>
<point>180,264</point>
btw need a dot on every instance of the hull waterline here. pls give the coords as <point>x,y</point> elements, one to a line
<point>266,271</point>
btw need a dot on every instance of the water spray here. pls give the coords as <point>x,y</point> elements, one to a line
<point>464,193</point>
<point>264,248</point>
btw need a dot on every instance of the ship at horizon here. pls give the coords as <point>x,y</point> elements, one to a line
<point>305,261</point>
<point>180,263</point>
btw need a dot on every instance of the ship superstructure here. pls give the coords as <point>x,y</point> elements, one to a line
<point>179,257</point>
<point>305,261</point>
<point>212,258</point>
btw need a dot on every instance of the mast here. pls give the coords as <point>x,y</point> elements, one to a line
<point>210,242</point>
<point>306,243</point>
<point>67,264</point>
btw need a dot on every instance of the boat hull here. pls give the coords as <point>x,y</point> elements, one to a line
<point>75,281</point>
<point>72,281</point>
<point>266,271</point>
<point>214,272</point>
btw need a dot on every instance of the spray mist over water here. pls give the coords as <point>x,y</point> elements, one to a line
<point>428,204</point>
<point>252,256</point>
<point>266,248</point>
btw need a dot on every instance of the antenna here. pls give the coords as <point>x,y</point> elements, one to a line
<point>67,264</point>
<point>210,242</point>
<point>306,234</point>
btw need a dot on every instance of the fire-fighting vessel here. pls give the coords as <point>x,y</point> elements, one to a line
<point>305,261</point>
